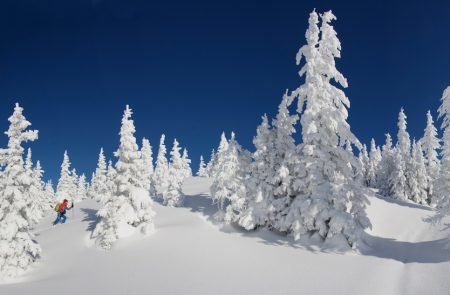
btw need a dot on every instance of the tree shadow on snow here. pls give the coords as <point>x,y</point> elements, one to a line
<point>90,217</point>
<point>435,251</point>
<point>409,204</point>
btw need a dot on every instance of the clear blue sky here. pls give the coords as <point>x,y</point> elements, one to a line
<point>191,70</point>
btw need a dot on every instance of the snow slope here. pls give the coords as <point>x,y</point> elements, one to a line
<point>190,254</point>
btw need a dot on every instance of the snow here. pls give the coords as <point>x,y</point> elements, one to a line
<point>191,254</point>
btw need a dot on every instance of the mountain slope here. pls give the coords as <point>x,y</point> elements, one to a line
<point>189,254</point>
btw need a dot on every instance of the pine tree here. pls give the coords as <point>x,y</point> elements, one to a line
<point>73,192</point>
<point>130,204</point>
<point>17,248</point>
<point>442,198</point>
<point>431,144</point>
<point>326,200</point>
<point>161,174</point>
<point>418,178</point>
<point>365,165</point>
<point>187,171</point>
<point>172,196</point>
<point>147,168</point>
<point>33,193</point>
<point>49,193</point>
<point>99,190</point>
<point>237,163</point>
<point>202,168</point>
<point>228,185</point>
<point>386,166</point>
<point>82,187</point>
<point>211,164</point>
<point>260,184</point>
<point>375,159</point>
<point>110,182</point>
<point>397,178</point>
<point>65,188</point>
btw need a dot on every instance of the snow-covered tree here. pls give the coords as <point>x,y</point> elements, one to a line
<point>202,168</point>
<point>161,175</point>
<point>186,163</point>
<point>66,188</point>
<point>172,196</point>
<point>403,139</point>
<point>74,186</point>
<point>50,193</point>
<point>417,176</point>
<point>442,198</point>
<point>365,165</point>
<point>18,250</point>
<point>260,185</point>
<point>33,193</point>
<point>109,182</point>
<point>431,144</point>
<point>327,200</point>
<point>235,161</point>
<point>228,182</point>
<point>82,187</point>
<point>211,164</point>
<point>130,205</point>
<point>397,178</point>
<point>147,167</point>
<point>375,159</point>
<point>98,189</point>
<point>386,166</point>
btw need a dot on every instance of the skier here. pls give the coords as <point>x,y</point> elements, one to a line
<point>61,209</point>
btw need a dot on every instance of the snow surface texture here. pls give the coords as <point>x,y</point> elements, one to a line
<point>191,254</point>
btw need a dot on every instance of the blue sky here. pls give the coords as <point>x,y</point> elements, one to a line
<point>192,70</point>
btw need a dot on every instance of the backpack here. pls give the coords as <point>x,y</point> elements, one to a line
<point>58,205</point>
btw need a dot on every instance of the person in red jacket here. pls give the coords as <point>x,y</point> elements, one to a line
<point>62,208</point>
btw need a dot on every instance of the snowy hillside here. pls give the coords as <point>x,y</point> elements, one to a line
<point>190,254</point>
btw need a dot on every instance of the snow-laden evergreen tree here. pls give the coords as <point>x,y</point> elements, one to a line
<point>110,180</point>
<point>365,165</point>
<point>236,161</point>
<point>397,178</point>
<point>161,175</point>
<point>74,186</point>
<point>403,139</point>
<point>417,176</point>
<point>66,188</point>
<point>442,197</point>
<point>18,250</point>
<point>130,205</point>
<point>431,144</point>
<point>82,187</point>
<point>50,193</point>
<point>402,163</point>
<point>211,164</point>
<point>260,185</point>
<point>98,189</point>
<point>33,193</point>
<point>285,171</point>
<point>173,196</point>
<point>375,159</point>
<point>202,168</point>
<point>386,167</point>
<point>147,168</point>
<point>187,171</point>
<point>228,182</point>
<point>327,200</point>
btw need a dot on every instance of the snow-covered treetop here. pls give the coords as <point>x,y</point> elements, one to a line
<point>324,118</point>
<point>444,109</point>
<point>404,142</point>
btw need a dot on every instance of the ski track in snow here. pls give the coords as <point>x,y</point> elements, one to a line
<point>190,254</point>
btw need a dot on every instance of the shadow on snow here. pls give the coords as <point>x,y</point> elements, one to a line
<point>434,251</point>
